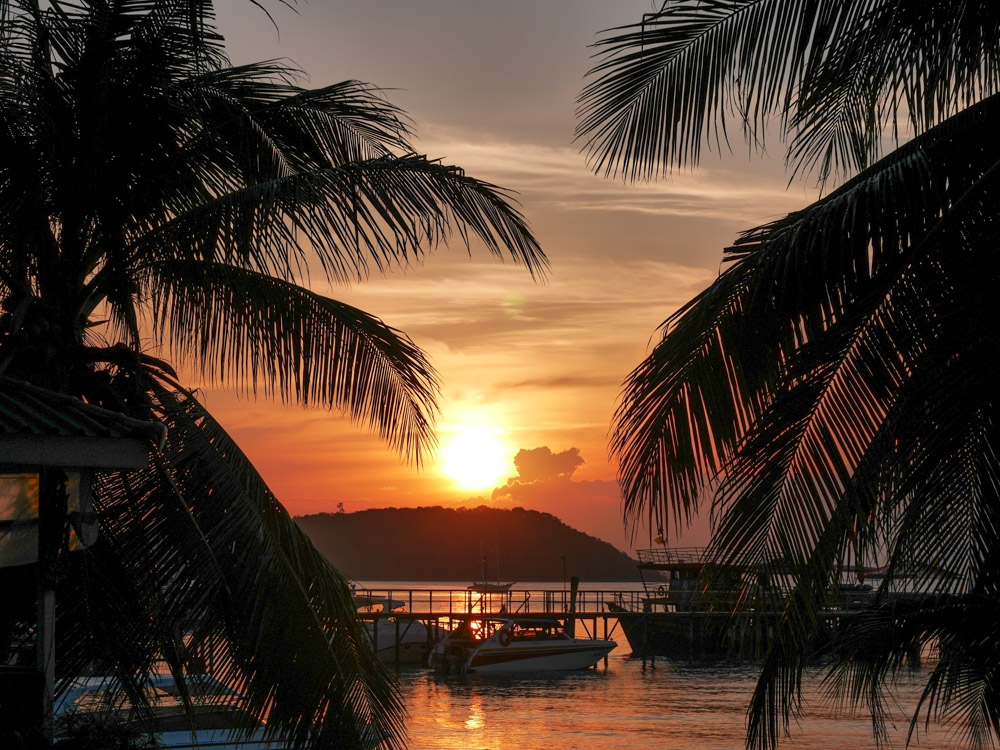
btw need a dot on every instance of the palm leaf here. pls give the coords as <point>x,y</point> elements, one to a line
<point>836,73</point>
<point>845,252</point>
<point>665,85</point>
<point>381,212</point>
<point>804,403</point>
<point>252,331</point>
<point>245,592</point>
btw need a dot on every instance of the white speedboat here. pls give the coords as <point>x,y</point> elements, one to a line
<point>516,644</point>
<point>214,721</point>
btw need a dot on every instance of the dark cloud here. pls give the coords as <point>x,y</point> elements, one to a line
<point>560,382</point>
<point>542,465</point>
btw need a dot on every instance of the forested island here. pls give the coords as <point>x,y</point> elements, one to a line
<point>448,544</point>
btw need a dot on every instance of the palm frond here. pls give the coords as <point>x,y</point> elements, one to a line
<point>209,570</point>
<point>899,65</point>
<point>877,645</point>
<point>823,404</point>
<point>381,212</point>
<point>663,86</point>
<point>252,331</point>
<point>845,252</point>
<point>837,74</point>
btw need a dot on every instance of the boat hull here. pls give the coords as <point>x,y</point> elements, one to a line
<point>500,659</point>
<point>404,642</point>
<point>518,644</point>
<point>209,724</point>
<point>689,635</point>
<point>406,653</point>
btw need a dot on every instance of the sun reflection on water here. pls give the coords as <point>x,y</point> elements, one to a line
<point>621,707</point>
<point>476,716</point>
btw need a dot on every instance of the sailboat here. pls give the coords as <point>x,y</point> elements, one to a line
<point>489,587</point>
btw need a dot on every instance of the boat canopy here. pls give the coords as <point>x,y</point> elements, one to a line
<point>534,622</point>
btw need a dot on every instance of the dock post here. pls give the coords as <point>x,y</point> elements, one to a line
<point>396,650</point>
<point>605,618</point>
<point>571,620</point>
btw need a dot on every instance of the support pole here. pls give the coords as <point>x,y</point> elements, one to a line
<point>396,648</point>
<point>571,620</point>
<point>51,520</point>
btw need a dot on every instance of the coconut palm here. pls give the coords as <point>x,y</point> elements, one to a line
<point>832,395</point>
<point>164,208</point>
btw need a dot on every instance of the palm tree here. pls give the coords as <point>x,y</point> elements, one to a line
<point>163,207</point>
<point>832,394</point>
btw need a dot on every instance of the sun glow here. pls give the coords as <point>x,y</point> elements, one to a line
<point>476,459</point>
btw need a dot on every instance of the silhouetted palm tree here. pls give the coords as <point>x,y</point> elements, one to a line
<point>159,201</point>
<point>833,394</point>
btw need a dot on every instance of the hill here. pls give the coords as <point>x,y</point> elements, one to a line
<point>446,544</point>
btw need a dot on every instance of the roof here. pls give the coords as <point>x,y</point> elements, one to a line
<point>38,426</point>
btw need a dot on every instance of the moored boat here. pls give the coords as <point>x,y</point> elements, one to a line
<point>517,644</point>
<point>682,619</point>
<point>212,720</point>
<point>398,638</point>
<point>681,616</point>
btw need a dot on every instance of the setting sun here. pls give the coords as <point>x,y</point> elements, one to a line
<point>475,459</point>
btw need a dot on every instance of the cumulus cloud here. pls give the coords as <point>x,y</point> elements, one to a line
<point>541,464</point>
<point>545,483</point>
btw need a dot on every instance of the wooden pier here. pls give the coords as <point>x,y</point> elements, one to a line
<point>642,616</point>
<point>445,609</point>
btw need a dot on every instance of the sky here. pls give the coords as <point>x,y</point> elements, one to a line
<point>530,370</point>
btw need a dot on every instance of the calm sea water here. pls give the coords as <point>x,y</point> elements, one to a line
<point>625,705</point>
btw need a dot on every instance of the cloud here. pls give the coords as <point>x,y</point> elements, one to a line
<point>545,483</point>
<point>593,507</point>
<point>541,464</point>
<point>558,177</point>
<point>564,381</point>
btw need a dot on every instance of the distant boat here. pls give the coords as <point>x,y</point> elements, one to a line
<point>518,644</point>
<point>680,618</point>
<point>486,586</point>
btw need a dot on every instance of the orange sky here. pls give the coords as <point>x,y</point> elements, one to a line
<point>491,87</point>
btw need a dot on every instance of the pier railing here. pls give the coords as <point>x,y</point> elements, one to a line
<point>458,602</point>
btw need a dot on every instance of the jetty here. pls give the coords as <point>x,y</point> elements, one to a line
<point>442,610</point>
<point>672,615</point>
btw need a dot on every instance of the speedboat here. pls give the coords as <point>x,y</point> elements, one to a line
<point>516,644</point>
<point>213,721</point>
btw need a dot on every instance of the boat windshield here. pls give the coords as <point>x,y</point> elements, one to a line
<point>543,631</point>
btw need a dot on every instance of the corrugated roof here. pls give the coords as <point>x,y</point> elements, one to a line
<point>26,409</point>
